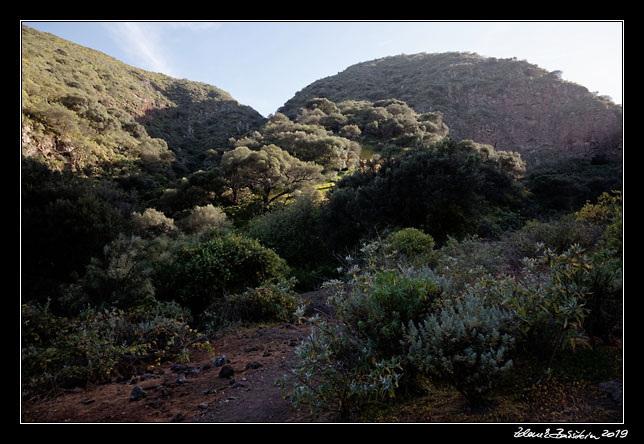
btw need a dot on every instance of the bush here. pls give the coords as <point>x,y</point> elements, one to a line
<point>206,216</point>
<point>444,190</point>
<point>207,271</point>
<point>121,277</point>
<point>349,364</point>
<point>411,244</point>
<point>468,343</point>
<point>550,300</point>
<point>378,306</point>
<point>293,231</point>
<point>99,345</point>
<point>267,303</point>
<point>336,373</point>
<point>153,223</point>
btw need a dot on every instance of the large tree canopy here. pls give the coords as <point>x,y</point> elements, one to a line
<point>270,172</point>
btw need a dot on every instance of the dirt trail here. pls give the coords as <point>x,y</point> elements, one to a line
<point>194,391</point>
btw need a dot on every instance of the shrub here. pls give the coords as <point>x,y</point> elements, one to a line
<point>206,216</point>
<point>359,359</point>
<point>265,303</point>
<point>550,300</point>
<point>606,216</point>
<point>99,345</point>
<point>209,270</point>
<point>468,343</point>
<point>121,277</point>
<point>378,306</point>
<point>153,223</point>
<point>411,244</point>
<point>336,373</point>
<point>444,190</point>
<point>293,231</point>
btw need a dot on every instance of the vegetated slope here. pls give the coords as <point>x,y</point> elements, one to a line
<point>512,105</point>
<point>82,108</point>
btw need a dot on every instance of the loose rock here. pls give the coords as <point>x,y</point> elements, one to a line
<point>226,371</point>
<point>220,360</point>
<point>253,365</point>
<point>137,393</point>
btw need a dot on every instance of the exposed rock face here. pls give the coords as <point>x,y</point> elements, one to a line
<point>509,104</point>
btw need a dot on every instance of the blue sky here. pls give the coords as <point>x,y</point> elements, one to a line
<point>263,64</point>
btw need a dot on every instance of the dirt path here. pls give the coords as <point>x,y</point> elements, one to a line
<point>194,391</point>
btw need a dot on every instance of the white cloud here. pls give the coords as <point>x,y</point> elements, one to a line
<point>142,42</point>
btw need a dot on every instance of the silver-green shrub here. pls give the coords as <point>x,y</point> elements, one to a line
<point>468,344</point>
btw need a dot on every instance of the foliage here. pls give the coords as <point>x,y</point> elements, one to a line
<point>605,215</point>
<point>99,345</point>
<point>306,140</point>
<point>122,277</point>
<point>378,306</point>
<point>201,274</point>
<point>550,304</point>
<point>467,343</point>
<point>65,220</point>
<point>205,217</point>
<point>270,172</point>
<point>335,373</point>
<point>359,359</point>
<point>444,189</point>
<point>411,244</point>
<point>293,231</point>
<point>152,223</point>
<point>269,302</point>
<point>566,185</point>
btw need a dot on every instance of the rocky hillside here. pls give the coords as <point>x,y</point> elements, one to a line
<point>512,105</point>
<point>82,108</point>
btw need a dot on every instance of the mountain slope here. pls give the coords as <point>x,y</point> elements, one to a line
<point>82,108</point>
<point>509,104</point>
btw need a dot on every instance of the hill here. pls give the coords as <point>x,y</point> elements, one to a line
<point>510,104</point>
<point>82,108</point>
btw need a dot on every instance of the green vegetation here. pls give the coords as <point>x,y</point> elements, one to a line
<point>156,212</point>
<point>404,329</point>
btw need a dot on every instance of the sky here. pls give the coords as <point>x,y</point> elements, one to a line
<point>263,64</point>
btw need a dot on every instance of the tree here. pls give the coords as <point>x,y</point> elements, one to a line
<point>270,172</point>
<point>233,163</point>
<point>444,190</point>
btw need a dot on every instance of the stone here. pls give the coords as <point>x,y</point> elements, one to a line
<point>147,376</point>
<point>226,371</point>
<point>614,389</point>
<point>253,365</point>
<point>203,406</point>
<point>178,417</point>
<point>220,360</point>
<point>137,393</point>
